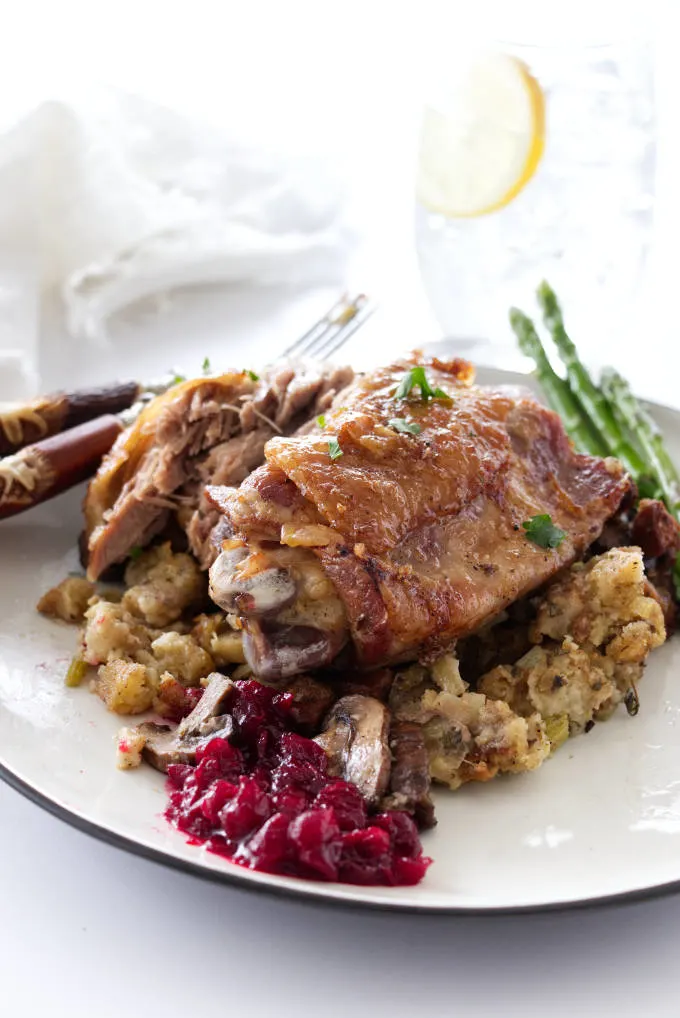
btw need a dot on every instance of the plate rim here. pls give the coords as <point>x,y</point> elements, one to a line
<point>308,892</point>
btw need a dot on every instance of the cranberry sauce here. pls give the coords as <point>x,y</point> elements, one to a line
<point>267,802</point>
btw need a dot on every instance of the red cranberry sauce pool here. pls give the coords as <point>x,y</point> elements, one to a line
<point>267,802</point>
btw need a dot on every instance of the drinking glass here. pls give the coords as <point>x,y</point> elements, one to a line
<point>583,221</point>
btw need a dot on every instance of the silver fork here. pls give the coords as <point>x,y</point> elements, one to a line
<point>334,329</point>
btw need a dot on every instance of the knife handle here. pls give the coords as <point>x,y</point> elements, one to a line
<point>46,468</point>
<point>50,415</point>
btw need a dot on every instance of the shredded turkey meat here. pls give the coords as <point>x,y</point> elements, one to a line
<point>204,428</point>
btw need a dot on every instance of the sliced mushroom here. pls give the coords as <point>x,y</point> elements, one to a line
<point>262,591</point>
<point>409,788</point>
<point>355,741</point>
<point>216,693</point>
<point>165,745</point>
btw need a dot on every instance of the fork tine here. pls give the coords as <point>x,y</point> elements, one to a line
<point>336,340</point>
<point>317,330</point>
<point>336,326</point>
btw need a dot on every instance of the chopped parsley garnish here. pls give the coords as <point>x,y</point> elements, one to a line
<point>321,420</point>
<point>417,379</point>
<point>542,531</point>
<point>252,375</point>
<point>178,379</point>
<point>334,450</point>
<point>402,426</point>
<point>206,366</point>
<point>135,552</point>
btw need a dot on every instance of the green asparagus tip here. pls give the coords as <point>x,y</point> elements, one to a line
<point>525,331</point>
<point>518,320</point>
<point>517,323</point>
<point>608,375</point>
<point>546,296</point>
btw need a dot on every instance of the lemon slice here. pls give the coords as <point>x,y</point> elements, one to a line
<point>478,152</point>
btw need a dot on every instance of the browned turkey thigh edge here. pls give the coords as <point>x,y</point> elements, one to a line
<point>412,537</point>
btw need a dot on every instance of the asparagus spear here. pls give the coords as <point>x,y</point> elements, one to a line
<point>646,432</point>
<point>556,390</point>
<point>647,485</point>
<point>584,389</point>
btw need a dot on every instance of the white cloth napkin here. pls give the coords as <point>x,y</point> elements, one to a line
<point>112,198</point>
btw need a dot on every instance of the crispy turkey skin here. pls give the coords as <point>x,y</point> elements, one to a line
<point>420,532</point>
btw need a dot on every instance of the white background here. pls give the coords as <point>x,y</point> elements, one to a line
<point>86,930</point>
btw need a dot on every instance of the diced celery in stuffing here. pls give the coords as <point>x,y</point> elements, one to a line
<point>77,671</point>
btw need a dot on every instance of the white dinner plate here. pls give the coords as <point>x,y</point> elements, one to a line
<point>598,822</point>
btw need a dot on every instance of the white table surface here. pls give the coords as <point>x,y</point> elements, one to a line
<point>86,930</point>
